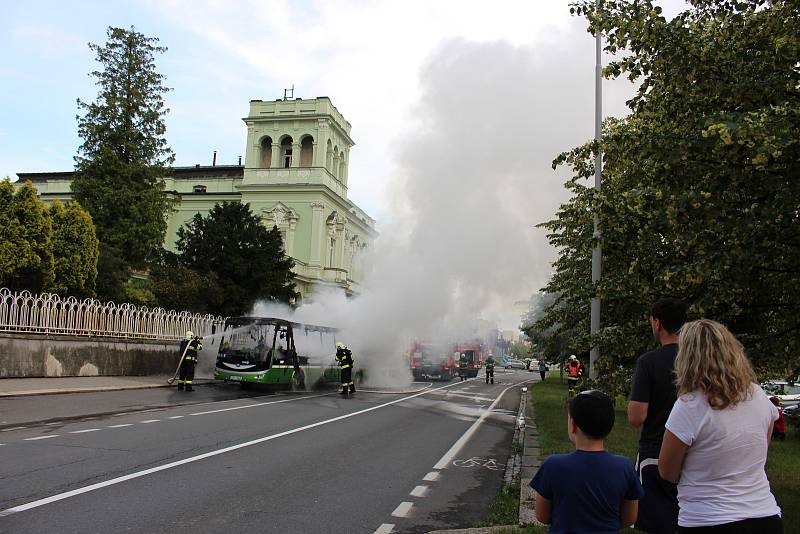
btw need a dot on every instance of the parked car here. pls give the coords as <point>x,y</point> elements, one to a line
<point>789,394</point>
<point>514,364</point>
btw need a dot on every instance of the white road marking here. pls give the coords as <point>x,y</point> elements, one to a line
<point>84,431</point>
<point>15,428</point>
<point>53,423</point>
<point>138,474</point>
<point>149,421</point>
<point>259,404</point>
<point>41,437</point>
<point>120,426</point>
<point>402,509</point>
<point>419,491</point>
<point>458,445</point>
<point>175,416</point>
<point>385,528</point>
<point>433,476</point>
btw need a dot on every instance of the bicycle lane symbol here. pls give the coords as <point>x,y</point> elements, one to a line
<point>476,461</point>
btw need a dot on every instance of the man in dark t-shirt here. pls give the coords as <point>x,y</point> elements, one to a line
<point>652,395</point>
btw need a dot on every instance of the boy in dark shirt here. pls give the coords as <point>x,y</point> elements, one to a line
<point>652,395</point>
<point>589,490</point>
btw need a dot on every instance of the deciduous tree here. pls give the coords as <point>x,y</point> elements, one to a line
<point>700,193</point>
<point>75,250</point>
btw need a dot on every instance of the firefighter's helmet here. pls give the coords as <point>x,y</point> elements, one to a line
<point>339,345</point>
<point>573,357</point>
<point>189,334</point>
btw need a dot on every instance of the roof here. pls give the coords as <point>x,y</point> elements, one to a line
<point>178,173</point>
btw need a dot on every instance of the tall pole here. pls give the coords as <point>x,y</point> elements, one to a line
<point>597,255</point>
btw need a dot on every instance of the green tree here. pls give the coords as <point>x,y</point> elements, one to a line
<point>247,259</point>
<point>700,192</point>
<point>177,287</point>
<point>75,250</point>
<point>124,156</point>
<point>27,258</point>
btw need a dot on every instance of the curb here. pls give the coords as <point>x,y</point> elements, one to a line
<point>92,389</point>
<point>531,460</point>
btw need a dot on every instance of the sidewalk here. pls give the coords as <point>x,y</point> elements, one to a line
<point>15,387</point>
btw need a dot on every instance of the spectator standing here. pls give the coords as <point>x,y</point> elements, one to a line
<point>542,369</point>
<point>653,394</point>
<point>589,490</point>
<point>717,437</point>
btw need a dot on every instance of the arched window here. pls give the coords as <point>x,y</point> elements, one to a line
<point>286,152</point>
<point>265,159</point>
<point>307,151</point>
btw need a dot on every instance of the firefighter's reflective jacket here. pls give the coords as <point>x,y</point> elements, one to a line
<point>345,357</point>
<point>490,363</point>
<point>194,346</point>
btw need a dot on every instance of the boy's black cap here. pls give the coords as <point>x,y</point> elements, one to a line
<point>593,413</point>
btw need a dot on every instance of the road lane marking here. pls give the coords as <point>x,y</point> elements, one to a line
<point>458,445</point>
<point>403,509</point>
<point>15,428</point>
<point>433,476</point>
<point>385,528</point>
<point>41,437</point>
<point>84,431</point>
<point>259,404</point>
<point>419,491</point>
<point>175,416</point>
<point>149,421</point>
<point>122,425</point>
<point>138,474</point>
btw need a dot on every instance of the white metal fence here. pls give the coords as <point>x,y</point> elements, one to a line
<point>50,314</point>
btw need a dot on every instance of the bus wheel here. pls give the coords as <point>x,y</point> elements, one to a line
<point>298,381</point>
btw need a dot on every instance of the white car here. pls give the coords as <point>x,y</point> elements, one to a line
<point>789,394</point>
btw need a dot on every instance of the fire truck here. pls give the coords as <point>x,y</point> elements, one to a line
<point>474,355</point>
<point>432,360</point>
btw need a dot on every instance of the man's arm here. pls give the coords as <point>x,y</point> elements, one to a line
<point>628,513</point>
<point>544,509</point>
<point>670,460</point>
<point>637,412</point>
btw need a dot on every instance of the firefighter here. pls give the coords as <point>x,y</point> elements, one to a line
<point>574,370</point>
<point>190,346</point>
<point>490,369</point>
<point>463,363</point>
<point>345,358</point>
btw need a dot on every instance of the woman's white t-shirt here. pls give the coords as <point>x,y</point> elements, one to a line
<point>723,478</point>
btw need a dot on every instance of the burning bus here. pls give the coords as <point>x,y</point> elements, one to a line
<point>276,352</point>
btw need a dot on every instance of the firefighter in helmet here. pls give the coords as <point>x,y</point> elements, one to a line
<point>574,373</point>
<point>463,363</point>
<point>345,358</point>
<point>190,346</point>
<point>490,369</point>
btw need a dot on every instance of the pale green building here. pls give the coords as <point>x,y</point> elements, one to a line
<point>294,176</point>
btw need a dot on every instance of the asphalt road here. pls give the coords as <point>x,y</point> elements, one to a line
<point>289,463</point>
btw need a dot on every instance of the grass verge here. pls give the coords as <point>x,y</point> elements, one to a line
<point>549,402</point>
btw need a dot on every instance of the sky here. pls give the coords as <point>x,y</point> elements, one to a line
<point>452,103</point>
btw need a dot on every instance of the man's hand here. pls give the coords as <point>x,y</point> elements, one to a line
<point>637,413</point>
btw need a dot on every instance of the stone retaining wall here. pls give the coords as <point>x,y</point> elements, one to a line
<point>26,356</point>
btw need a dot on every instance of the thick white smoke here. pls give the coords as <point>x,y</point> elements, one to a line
<point>474,178</point>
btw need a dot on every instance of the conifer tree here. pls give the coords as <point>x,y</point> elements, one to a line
<point>124,156</point>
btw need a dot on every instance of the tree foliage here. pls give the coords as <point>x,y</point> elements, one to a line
<point>124,156</point>
<point>700,194</point>
<point>75,250</point>
<point>236,261</point>
<point>41,249</point>
<point>29,242</point>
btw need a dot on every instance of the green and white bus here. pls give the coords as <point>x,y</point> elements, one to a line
<point>276,352</point>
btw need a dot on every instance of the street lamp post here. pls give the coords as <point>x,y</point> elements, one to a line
<point>597,255</point>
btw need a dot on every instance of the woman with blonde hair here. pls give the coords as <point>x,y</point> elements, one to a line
<point>717,435</point>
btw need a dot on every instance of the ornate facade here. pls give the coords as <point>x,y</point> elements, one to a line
<point>294,176</point>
